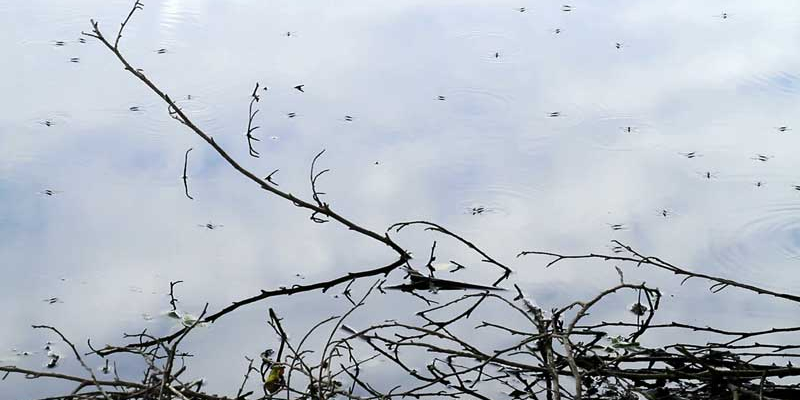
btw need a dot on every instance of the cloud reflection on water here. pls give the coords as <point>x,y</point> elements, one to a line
<point>686,80</point>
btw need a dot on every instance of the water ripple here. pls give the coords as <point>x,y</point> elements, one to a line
<point>780,82</point>
<point>498,200</point>
<point>490,47</point>
<point>477,103</point>
<point>618,133</point>
<point>768,236</point>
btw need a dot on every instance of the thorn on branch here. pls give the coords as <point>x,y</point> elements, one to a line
<point>268,178</point>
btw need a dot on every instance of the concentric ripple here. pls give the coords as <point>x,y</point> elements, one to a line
<point>768,237</point>
<point>618,133</point>
<point>512,203</point>
<point>477,104</point>
<point>491,47</point>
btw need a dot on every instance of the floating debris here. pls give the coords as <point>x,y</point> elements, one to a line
<point>188,320</point>
<point>105,369</point>
<point>496,55</point>
<point>417,281</point>
<point>53,359</point>
<point>185,319</point>
<point>21,353</point>
<point>638,309</point>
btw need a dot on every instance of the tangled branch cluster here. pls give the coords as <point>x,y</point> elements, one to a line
<point>542,354</point>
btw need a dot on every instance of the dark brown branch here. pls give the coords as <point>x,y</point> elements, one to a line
<point>172,299</point>
<point>185,177</point>
<point>324,286</point>
<point>250,128</point>
<point>430,226</point>
<point>137,5</point>
<point>77,356</point>
<point>640,259</point>
<point>318,208</point>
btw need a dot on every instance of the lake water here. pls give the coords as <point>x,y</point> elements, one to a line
<point>535,130</point>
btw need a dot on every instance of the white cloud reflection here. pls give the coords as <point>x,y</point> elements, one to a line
<point>122,228</point>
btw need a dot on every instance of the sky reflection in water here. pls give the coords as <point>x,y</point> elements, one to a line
<point>519,130</point>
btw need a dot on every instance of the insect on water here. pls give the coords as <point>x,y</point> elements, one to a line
<point>50,192</point>
<point>618,227</point>
<point>708,175</point>
<point>761,157</point>
<point>210,226</point>
<point>691,154</point>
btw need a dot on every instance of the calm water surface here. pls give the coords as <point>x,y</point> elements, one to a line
<point>519,130</point>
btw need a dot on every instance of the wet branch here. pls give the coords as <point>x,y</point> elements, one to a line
<point>254,98</point>
<point>484,344</point>
<point>185,177</point>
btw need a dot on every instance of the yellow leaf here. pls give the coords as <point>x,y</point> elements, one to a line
<point>274,380</point>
